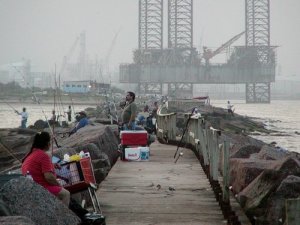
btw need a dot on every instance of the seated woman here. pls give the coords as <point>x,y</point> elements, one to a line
<point>38,164</point>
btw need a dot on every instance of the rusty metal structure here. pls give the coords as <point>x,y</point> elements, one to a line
<point>180,65</point>
<point>180,38</point>
<point>258,38</point>
<point>150,39</point>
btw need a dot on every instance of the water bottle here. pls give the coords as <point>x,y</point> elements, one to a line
<point>66,157</point>
<point>28,175</point>
<point>81,154</point>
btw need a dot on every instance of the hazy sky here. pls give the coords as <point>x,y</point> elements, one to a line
<point>44,30</point>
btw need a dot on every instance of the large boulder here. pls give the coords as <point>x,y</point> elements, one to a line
<point>272,153</point>
<point>16,220</point>
<point>14,144</point>
<point>245,151</point>
<point>23,197</point>
<point>100,135</point>
<point>288,189</point>
<point>244,171</point>
<point>256,197</point>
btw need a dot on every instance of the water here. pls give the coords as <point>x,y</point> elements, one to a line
<point>282,116</point>
<point>9,119</point>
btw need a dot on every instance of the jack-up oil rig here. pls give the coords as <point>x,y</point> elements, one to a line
<point>180,65</point>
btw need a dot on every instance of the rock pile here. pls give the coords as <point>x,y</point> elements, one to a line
<point>262,176</point>
<point>29,203</point>
<point>25,198</point>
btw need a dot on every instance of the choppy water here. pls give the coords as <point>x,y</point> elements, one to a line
<point>283,116</point>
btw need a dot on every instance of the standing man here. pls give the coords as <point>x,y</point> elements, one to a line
<point>24,117</point>
<point>69,113</point>
<point>129,112</point>
<point>229,108</point>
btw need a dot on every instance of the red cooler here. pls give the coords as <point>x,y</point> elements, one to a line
<point>134,137</point>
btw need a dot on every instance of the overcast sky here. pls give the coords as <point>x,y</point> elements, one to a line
<point>44,30</point>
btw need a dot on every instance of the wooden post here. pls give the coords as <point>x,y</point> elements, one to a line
<point>226,176</point>
<point>215,154</point>
<point>203,144</point>
<point>210,151</point>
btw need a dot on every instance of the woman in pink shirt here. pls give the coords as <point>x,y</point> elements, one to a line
<point>38,164</point>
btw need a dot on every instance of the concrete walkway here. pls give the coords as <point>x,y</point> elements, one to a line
<point>159,191</point>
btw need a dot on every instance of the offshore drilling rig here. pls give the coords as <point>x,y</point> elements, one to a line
<point>180,65</point>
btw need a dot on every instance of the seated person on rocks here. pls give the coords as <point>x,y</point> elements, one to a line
<point>82,122</point>
<point>38,164</point>
<point>140,119</point>
<point>53,118</point>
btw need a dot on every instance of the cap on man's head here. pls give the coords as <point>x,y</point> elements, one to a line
<point>82,113</point>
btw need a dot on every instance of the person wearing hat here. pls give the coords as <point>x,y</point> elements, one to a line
<point>83,121</point>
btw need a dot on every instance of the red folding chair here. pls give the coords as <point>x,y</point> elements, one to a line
<point>79,176</point>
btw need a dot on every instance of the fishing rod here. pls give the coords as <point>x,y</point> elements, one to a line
<point>2,145</point>
<point>184,131</point>
<point>61,106</point>
<point>39,104</point>
<point>16,111</point>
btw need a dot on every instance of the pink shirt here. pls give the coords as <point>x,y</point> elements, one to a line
<point>38,163</point>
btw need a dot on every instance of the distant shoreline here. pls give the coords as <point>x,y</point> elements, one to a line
<point>84,100</point>
<point>48,102</point>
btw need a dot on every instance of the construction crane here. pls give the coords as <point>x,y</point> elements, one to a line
<point>110,49</point>
<point>208,53</point>
<point>67,57</point>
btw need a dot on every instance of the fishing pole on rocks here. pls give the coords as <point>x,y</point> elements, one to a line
<point>36,99</point>
<point>176,155</point>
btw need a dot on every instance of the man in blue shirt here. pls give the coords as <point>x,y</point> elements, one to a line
<point>83,121</point>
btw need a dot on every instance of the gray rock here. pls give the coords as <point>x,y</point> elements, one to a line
<point>288,189</point>
<point>100,135</point>
<point>23,197</point>
<point>244,171</point>
<point>256,197</point>
<point>246,151</point>
<point>272,153</point>
<point>4,211</point>
<point>14,144</point>
<point>16,220</point>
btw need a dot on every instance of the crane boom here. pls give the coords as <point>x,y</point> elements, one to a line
<point>208,54</point>
<point>68,56</point>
